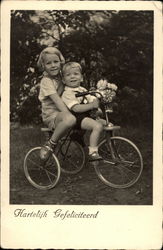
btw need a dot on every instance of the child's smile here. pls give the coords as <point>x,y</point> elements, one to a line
<point>52,64</point>
<point>73,77</point>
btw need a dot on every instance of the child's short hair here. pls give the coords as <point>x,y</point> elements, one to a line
<point>49,50</point>
<point>71,65</point>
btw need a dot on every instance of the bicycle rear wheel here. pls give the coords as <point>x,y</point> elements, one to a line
<point>41,175</point>
<point>71,156</point>
<point>123,163</point>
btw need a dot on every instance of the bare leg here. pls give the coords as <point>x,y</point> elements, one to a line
<point>102,121</point>
<point>96,128</point>
<point>63,122</point>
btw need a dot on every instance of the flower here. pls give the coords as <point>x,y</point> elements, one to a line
<point>102,84</point>
<point>107,90</point>
<point>112,86</point>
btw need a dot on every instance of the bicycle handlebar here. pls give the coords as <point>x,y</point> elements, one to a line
<point>105,102</point>
<point>82,94</point>
<point>88,93</point>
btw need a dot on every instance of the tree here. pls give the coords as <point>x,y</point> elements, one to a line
<point>114,45</point>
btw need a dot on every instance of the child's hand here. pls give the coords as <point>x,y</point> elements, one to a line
<point>95,104</point>
<point>96,113</point>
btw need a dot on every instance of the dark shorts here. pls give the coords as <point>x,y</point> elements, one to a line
<point>79,118</point>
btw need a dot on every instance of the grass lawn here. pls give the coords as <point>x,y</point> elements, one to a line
<point>83,188</point>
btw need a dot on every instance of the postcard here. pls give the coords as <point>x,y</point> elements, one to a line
<point>81,124</point>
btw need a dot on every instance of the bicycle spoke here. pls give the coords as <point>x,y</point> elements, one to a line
<point>122,163</point>
<point>41,177</point>
<point>49,164</point>
<point>125,167</point>
<point>105,150</point>
<point>71,162</point>
<point>116,147</point>
<point>47,172</point>
<point>35,163</point>
<point>122,175</point>
<point>72,157</point>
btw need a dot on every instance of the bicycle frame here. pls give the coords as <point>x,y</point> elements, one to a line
<point>120,169</point>
<point>63,142</point>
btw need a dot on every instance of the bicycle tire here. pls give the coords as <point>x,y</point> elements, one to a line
<point>122,165</point>
<point>41,175</point>
<point>71,156</point>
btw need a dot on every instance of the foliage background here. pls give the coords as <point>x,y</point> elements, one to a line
<point>114,45</point>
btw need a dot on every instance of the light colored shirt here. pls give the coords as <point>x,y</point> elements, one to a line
<point>70,99</point>
<point>49,86</point>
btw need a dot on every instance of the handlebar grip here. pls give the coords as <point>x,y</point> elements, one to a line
<point>82,94</point>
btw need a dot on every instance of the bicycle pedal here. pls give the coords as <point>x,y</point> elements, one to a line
<point>94,163</point>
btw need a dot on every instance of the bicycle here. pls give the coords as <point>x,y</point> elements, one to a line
<point>121,167</point>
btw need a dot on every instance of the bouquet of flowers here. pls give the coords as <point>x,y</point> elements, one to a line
<point>108,92</point>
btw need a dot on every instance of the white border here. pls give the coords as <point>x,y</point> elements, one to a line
<point>83,5</point>
<point>135,227</point>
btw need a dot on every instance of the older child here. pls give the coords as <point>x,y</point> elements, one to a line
<point>54,112</point>
<point>72,77</point>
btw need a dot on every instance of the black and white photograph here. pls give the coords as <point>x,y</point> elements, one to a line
<point>99,150</point>
<point>82,110</point>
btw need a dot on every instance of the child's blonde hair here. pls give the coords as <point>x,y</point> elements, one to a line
<point>71,65</point>
<point>49,50</point>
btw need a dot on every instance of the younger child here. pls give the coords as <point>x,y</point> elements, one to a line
<point>54,112</point>
<point>72,78</point>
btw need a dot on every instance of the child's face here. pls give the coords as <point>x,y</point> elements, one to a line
<point>52,64</point>
<point>73,77</point>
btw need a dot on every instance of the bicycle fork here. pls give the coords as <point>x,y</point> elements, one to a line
<point>110,148</point>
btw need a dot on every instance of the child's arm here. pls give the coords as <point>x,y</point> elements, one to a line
<point>73,103</point>
<point>48,88</point>
<point>58,102</point>
<point>79,108</point>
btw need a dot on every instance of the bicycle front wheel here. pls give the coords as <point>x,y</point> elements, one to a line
<point>71,156</point>
<point>41,175</point>
<point>123,163</point>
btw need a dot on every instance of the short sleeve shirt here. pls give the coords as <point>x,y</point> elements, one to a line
<point>70,99</point>
<point>48,87</point>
